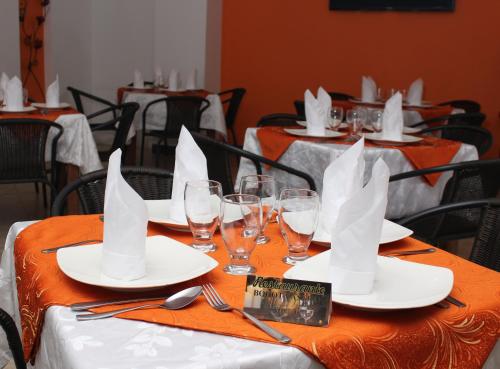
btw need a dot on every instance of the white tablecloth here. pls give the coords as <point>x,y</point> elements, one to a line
<point>406,197</point>
<point>212,118</point>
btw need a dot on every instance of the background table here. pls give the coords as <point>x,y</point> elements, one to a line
<point>405,197</point>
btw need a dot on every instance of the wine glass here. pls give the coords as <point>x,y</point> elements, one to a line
<point>355,125</point>
<point>298,211</point>
<point>380,94</point>
<point>279,306</point>
<point>377,120</point>
<point>265,188</point>
<point>337,114</point>
<point>240,226</point>
<point>306,309</point>
<point>201,203</point>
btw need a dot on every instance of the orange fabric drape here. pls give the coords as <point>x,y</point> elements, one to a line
<point>420,338</point>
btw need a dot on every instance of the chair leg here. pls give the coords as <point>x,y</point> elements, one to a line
<point>36,187</point>
<point>142,147</point>
<point>44,190</point>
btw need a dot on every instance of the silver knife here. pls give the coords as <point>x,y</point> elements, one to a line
<point>82,306</point>
<point>54,249</point>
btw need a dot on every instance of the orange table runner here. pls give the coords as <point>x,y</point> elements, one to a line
<point>421,338</point>
<point>50,115</point>
<point>154,90</point>
<point>430,152</point>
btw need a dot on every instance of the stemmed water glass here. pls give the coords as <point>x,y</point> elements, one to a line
<point>298,211</point>
<point>202,205</point>
<point>240,225</point>
<point>263,187</point>
<point>337,114</point>
<point>377,120</point>
<point>354,121</point>
<point>306,309</point>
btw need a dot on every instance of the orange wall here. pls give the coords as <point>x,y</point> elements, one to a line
<point>278,48</point>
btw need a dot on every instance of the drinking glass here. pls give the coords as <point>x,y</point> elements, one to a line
<point>202,205</point>
<point>380,94</point>
<point>377,116</point>
<point>279,306</point>
<point>240,225</point>
<point>263,187</point>
<point>298,211</point>
<point>337,114</point>
<point>355,124</point>
<point>306,309</point>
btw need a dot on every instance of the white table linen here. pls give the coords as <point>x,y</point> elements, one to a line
<point>212,118</point>
<point>406,197</point>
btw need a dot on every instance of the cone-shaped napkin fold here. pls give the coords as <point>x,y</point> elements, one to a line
<point>13,94</point>
<point>138,80</point>
<point>125,226</point>
<point>191,80</point>
<point>190,165</point>
<point>158,76</point>
<point>52,94</point>
<point>325,100</point>
<point>341,180</point>
<point>315,115</point>
<point>356,235</point>
<point>416,92</point>
<point>173,80</point>
<point>3,84</point>
<point>392,119</point>
<point>368,89</point>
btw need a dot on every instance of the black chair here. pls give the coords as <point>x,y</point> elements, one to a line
<point>13,339</point>
<point>109,107</point>
<point>22,152</point>
<point>469,106</point>
<point>300,107</point>
<point>149,183</point>
<point>480,137</point>
<point>222,162</point>
<point>464,119</point>
<point>181,111</point>
<point>427,225</point>
<point>279,119</point>
<point>231,100</point>
<point>340,96</point>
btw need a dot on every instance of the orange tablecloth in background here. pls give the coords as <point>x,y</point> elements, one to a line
<point>51,114</point>
<point>121,91</point>
<point>421,338</point>
<point>430,152</point>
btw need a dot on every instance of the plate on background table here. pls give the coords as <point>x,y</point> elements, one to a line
<point>26,109</point>
<point>303,123</point>
<point>424,104</point>
<point>167,262</point>
<point>407,130</point>
<point>379,138</point>
<point>303,133</point>
<point>44,106</point>
<point>398,284</point>
<point>391,232</point>
<point>173,91</point>
<point>361,102</point>
<point>159,212</point>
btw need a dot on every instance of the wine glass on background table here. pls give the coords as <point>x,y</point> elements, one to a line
<point>355,124</point>
<point>263,187</point>
<point>337,115</point>
<point>298,213</point>
<point>240,225</point>
<point>202,205</point>
<point>376,120</point>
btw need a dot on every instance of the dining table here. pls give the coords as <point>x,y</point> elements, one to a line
<point>37,294</point>
<point>211,119</point>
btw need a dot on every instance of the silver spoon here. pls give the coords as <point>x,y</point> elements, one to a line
<point>176,301</point>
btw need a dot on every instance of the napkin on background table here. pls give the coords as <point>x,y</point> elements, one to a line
<point>52,94</point>
<point>158,76</point>
<point>356,235</point>
<point>368,89</point>
<point>3,84</point>
<point>392,119</point>
<point>13,94</point>
<point>125,228</point>
<point>138,80</point>
<point>191,80</point>
<point>315,115</point>
<point>415,92</point>
<point>173,80</point>
<point>190,165</point>
<point>325,100</point>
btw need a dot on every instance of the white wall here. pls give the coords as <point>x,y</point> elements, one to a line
<point>9,37</point>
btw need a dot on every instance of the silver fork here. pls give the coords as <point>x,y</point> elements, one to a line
<point>215,301</point>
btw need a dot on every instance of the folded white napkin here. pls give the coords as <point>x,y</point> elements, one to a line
<point>13,94</point>
<point>392,119</point>
<point>138,80</point>
<point>342,178</point>
<point>368,89</point>
<point>173,80</point>
<point>415,92</point>
<point>190,165</point>
<point>52,94</point>
<point>315,115</point>
<point>325,100</point>
<point>356,236</point>
<point>3,84</point>
<point>125,226</point>
<point>191,80</point>
<point>158,76</point>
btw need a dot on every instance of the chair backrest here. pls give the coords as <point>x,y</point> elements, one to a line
<point>149,183</point>
<point>231,99</point>
<point>480,137</point>
<point>465,119</point>
<point>223,159</point>
<point>127,114</point>
<point>131,84</point>
<point>300,107</point>
<point>183,111</point>
<point>13,339</point>
<point>279,119</point>
<point>22,149</point>
<point>469,106</point>
<point>340,96</point>
<point>78,94</point>
<point>486,247</point>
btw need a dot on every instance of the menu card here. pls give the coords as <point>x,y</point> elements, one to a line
<point>288,300</point>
